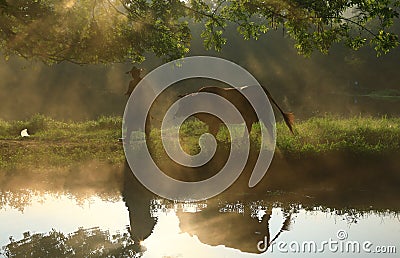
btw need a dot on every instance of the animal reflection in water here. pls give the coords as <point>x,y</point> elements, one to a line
<point>232,224</point>
<point>233,95</point>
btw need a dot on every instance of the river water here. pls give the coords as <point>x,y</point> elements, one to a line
<point>118,217</point>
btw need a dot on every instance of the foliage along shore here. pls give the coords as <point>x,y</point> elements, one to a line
<point>58,143</point>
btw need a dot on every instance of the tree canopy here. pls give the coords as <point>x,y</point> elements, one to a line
<point>107,31</point>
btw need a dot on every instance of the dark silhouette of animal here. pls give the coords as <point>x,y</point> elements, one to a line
<point>135,73</point>
<point>138,105</point>
<point>236,97</point>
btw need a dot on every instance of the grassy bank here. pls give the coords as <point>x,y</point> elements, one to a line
<point>358,135</point>
<point>57,144</point>
<point>64,143</point>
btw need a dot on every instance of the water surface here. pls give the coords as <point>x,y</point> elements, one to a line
<point>40,218</point>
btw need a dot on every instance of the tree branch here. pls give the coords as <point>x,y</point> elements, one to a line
<point>355,23</point>
<point>211,16</point>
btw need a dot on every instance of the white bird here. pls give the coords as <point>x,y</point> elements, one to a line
<point>24,133</point>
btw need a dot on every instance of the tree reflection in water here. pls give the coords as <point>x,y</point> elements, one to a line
<point>234,219</point>
<point>92,242</point>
